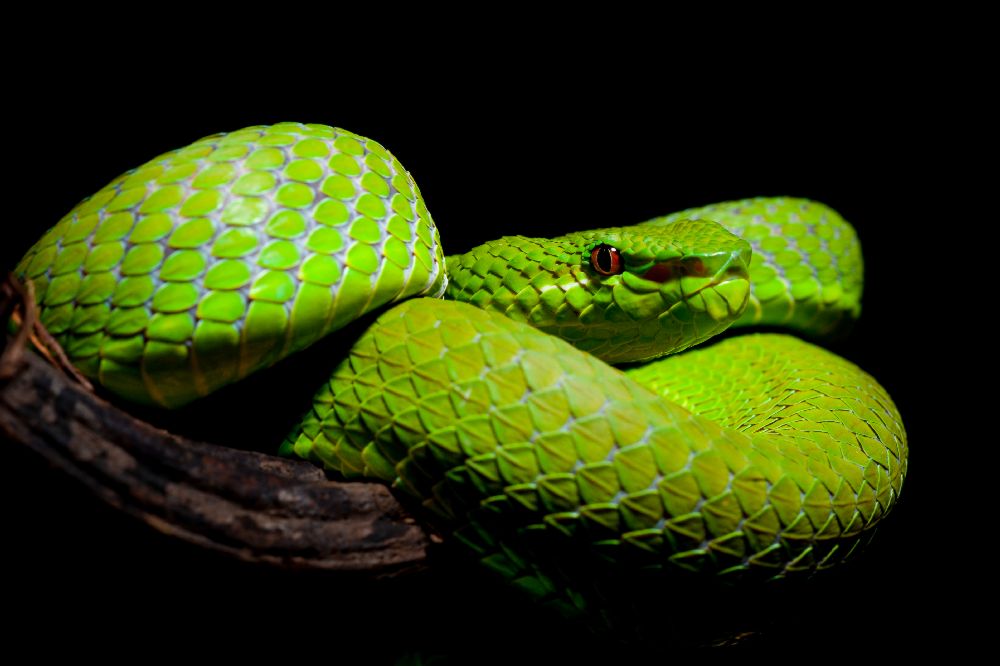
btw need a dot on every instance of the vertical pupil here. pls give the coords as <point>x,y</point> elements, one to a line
<point>604,258</point>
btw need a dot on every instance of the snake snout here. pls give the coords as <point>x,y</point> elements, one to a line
<point>728,291</point>
<point>732,265</point>
<point>738,265</point>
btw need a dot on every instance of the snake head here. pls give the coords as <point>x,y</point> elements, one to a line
<point>623,294</point>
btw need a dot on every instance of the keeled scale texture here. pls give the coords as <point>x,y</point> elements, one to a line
<point>806,271</point>
<point>218,259</point>
<point>550,283</point>
<point>798,402</point>
<point>466,409</point>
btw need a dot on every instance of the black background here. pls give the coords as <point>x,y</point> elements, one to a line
<point>535,152</point>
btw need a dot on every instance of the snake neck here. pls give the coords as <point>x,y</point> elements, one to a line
<point>622,294</point>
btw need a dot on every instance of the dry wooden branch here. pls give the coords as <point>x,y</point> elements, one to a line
<point>253,506</point>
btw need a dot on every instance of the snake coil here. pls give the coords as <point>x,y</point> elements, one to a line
<point>496,407</point>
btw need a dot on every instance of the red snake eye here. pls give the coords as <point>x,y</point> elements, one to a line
<point>606,260</point>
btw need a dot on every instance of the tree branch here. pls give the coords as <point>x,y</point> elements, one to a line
<point>256,507</point>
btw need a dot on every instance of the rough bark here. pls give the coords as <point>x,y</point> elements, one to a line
<point>253,506</point>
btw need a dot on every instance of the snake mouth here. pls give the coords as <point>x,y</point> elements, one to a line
<point>718,286</point>
<point>730,276</point>
<point>723,300</point>
<point>723,294</point>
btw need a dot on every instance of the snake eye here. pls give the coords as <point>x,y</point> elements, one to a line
<point>606,260</point>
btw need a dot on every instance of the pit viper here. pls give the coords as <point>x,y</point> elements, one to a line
<point>485,391</point>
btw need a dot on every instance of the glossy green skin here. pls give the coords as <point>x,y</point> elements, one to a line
<point>762,455</point>
<point>550,284</point>
<point>758,457</point>
<point>216,260</point>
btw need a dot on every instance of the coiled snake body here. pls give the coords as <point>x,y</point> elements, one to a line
<point>496,407</point>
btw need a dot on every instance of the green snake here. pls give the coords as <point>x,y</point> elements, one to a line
<point>495,408</point>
